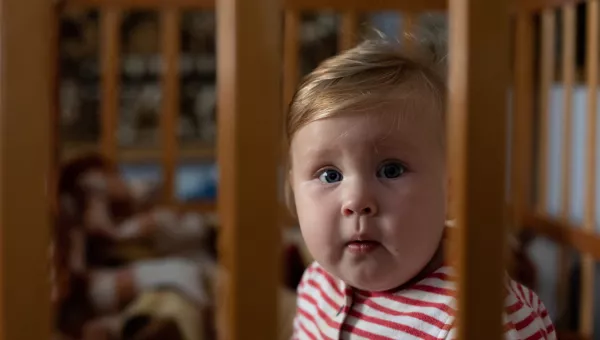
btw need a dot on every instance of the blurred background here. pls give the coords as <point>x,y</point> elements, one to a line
<point>132,265</point>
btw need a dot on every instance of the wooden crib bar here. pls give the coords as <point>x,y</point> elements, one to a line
<point>587,267</point>
<point>170,44</point>
<point>348,35</point>
<point>407,28</point>
<point>241,162</point>
<point>546,78</point>
<point>568,76</point>
<point>359,5</point>
<point>27,67</point>
<point>522,143</point>
<point>143,4</point>
<point>568,234</point>
<point>248,46</point>
<point>291,56</point>
<point>541,5</point>
<point>341,5</point>
<point>536,217</point>
<point>478,38</point>
<point>111,60</point>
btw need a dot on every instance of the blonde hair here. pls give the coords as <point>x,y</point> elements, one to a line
<point>364,76</point>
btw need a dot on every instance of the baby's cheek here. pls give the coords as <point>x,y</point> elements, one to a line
<point>318,225</point>
<point>413,218</point>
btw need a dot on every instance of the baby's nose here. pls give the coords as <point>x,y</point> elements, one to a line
<point>366,211</point>
<point>362,206</point>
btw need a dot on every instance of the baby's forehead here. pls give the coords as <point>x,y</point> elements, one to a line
<point>389,118</point>
<point>378,132</point>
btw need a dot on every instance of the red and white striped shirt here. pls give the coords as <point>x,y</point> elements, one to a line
<point>329,309</point>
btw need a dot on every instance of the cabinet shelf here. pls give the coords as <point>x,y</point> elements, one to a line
<point>186,152</point>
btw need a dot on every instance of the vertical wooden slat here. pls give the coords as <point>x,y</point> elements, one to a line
<point>547,57</point>
<point>54,165</point>
<point>54,61</point>
<point>522,142</point>
<point>476,140</point>
<point>586,324</point>
<point>568,75</point>
<point>25,140</point>
<point>407,29</point>
<point>348,31</point>
<point>249,116</point>
<point>291,78</point>
<point>291,54</point>
<point>170,45</point>
<point>111,62</point>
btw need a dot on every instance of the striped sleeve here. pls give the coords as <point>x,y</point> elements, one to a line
<point>299,328</point>
<point>299,293</point>
<point>525,316</point>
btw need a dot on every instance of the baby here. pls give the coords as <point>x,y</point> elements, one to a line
<point>368,182</point>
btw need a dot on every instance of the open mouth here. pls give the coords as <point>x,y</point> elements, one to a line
<point>362,246</point>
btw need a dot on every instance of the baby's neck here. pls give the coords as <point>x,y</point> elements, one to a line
<point>434,264</point>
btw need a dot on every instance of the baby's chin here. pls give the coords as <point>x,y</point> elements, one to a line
<point>374,285</point>
<point>372,279</point>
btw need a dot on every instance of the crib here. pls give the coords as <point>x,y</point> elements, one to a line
<point>514,189</point>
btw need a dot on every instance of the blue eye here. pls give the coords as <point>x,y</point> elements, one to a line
<point>391,170</point>
<point>330,176</point>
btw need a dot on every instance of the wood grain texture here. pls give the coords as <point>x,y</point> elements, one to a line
<point>533,6</point>
<point>249,115</point>
<point>348,31</point>
<point>408,29</point>
<point>110,59</point>
<point>530,6</point>
<point>291,57</point>
<point>586,312</point>
<point>548,58</point>
<point>143,4</point>
<point>169,119</point>
<point>523,119</point>
<point>479,67</point>
<point>26,98</point>
<point>571,235</point>
<point>568,76</point>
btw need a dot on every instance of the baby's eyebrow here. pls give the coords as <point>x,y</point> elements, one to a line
<point>319,152</point>
<point>387,144</point>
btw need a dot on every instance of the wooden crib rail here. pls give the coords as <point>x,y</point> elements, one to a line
<point>569,235</point>
<point>171,151</point>
<point>524,211</point>
<point>478,187</point>
<point>540,5</point>
<point>533,212</point>
<point>587,268</point>
<point>110,59</point>
<point>339,5</point>
<point>298,5</point>
<point>141,4</point>
<point>170,46</point>
<point>359,5</point>
<point>248,135</point>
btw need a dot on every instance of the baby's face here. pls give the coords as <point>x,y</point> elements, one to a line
<point>370,193</point>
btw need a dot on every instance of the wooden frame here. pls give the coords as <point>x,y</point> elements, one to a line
<point>249,127</point>
<point>587,271</point>
<point>24,168</point>
<point>533,215</point>
<point>27,44</point>
<point>477,187</point>
<point>339,5</point>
